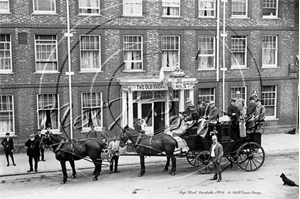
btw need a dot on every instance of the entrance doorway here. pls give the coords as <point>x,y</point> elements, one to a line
<point>159,116</point>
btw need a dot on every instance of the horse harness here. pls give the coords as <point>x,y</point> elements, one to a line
<point>137,143</point>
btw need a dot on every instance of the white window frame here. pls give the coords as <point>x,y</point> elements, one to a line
<point>46,60</point>
<point>208,97</point>
<point>93,69</point>
<point>12,133</point>
<point>55,131</point>
<point>239,3</point>
<point>239,50</point>
<point>5,10</point>
<point>207,9</point>
<point>35,11</point>
<point>85,126</point>
<point>133,44</point>
<point>171,4</point>
<point>267,5</point>
<point>272,48</point>
<point>130,3</point>
<point>7,37</point>
<point>82,8</point>
<point>166,50</point>
<point>270,117</point>
<point>206,55</point>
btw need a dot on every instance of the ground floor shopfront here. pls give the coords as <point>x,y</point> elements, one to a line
<point>154,100</point>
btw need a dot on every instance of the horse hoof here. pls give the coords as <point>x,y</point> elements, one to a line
<point>95,179</point>
<point>63,182</point>
<point>165,170</point>
<point>141,174</point>
<point>173,173</point>
<point>73,176</point>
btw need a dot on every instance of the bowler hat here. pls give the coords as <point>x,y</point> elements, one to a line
<point>238,92</point>
<point>212,102</point>
<point>233,99</point>
<point>6,133</point>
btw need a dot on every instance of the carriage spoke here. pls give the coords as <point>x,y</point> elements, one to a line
<point>254,163</point>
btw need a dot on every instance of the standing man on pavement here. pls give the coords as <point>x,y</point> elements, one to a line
<point>216,153</point>
<point>113,150</point>
<point>39,137</point>
<point>8,145</point>
<point>32,146</point>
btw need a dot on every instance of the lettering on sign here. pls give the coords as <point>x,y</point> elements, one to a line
<point>150,87</point>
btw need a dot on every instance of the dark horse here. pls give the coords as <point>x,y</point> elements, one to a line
<point>151,145</point>
<point>71,151</point>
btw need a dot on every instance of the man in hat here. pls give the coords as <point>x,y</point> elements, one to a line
<point>213,112</point>
<point>201,109</point>
<point>32,146</point>
<point>259,115</point>
<point>190,111</point>
<point>113,150</point>
<point>39,137</point>
<point>240,104</point>
<point>234,114</point>
<point>216,153</point>
<point>8,145</point>
<point>250,114</point>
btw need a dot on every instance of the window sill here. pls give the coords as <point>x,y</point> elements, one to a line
<point>91,71</point>
<point>52,14</point>
<point>267,17</point>
<point>269,67</point>
<point>237,17</point>
<point>271,119</point>
<point>134,71</point>
<point>54,131</point>
<point>202,17</point>
<point>86,130</point>
<point>50,72</point>
<point>133,16</point>
<point>6,73</point>
<point>90,15</point>
<point>207,69</point>
<point>5,13</point>
<point>12,136</point>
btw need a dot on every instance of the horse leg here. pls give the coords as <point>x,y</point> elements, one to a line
<point>64,171</point>
<point>167,165</point>
<point>72,163</point>
<point>98,165</point>
<point>142,162</point>
<point>173,170</point>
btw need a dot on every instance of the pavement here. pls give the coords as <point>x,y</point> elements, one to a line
<point>273,144</point>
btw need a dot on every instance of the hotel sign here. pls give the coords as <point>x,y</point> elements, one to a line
<point>149,86</point>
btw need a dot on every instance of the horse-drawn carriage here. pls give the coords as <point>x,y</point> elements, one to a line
<point>246,152</point>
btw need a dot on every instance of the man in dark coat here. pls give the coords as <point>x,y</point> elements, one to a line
<point>201,109</point>
<point>250,114</point>
<point>32,146</point>
<point>39,137</point>
<point>234,114</point>
<point>190,111</point>
<point>8,145</point>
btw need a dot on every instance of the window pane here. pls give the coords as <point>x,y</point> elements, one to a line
<point>91,109</point>
<point>206,94</point>
<point>238,49</point>
<point>239,7</point>
<point>132,7</point>
<point>207,8</point>
<point>269,50</point>
<point>133,52</point>
<point>270,8</point>
<point>44,5</point>
<point>269,99</point>
<point>4,6</point>
<point>46,50</point>
<point>5,55</point>
<point>171,7</point>
<point>206,52</point>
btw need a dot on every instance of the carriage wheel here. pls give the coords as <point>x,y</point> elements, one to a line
<point>251,156</point>
<point>190,157</point>
<point>203,163</point>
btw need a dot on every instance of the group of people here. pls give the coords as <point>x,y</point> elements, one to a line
<point>33,149</point>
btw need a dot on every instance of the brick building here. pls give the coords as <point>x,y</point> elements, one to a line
<point>124,52</point>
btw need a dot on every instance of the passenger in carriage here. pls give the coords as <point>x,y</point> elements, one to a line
<point>234,113</point>
<point>213,112</point>
<point>250,122</point>
<point>190,112</point>
<point>259,116</point>
<point>206,108</point>
<point>240,103</point>
<point>201,109</point>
